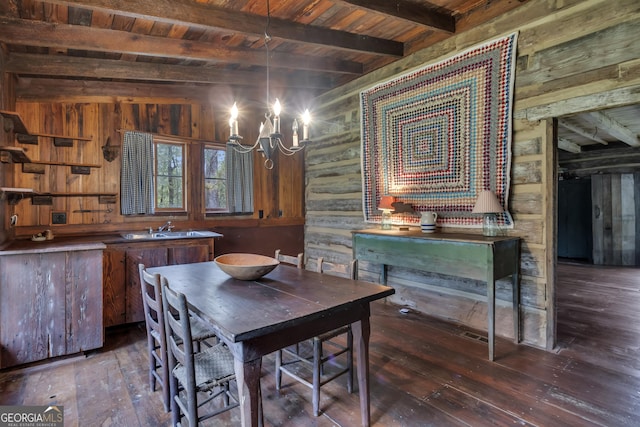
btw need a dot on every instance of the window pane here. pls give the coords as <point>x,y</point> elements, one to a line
<point>169,192</point>
<point>215,179</point>
<point>169,176</point>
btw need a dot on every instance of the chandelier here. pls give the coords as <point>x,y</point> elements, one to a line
<point>270,139</point>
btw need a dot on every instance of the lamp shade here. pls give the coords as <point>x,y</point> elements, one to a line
<point>386,203</point>
<point>487,202</point>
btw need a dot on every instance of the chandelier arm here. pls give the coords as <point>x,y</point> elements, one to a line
<point>288,151</point>
<point>240,147</point>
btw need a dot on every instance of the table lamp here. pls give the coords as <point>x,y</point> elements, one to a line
<point>386,206</point>
<point>488,204</point>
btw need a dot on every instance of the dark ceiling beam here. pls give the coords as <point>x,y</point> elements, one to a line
<point>419,14</point>
<point>65,66</point>
<point>33,89</point>
<point>43,34</point>
<point>209,17</point>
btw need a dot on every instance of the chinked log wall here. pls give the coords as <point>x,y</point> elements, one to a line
<point>572,56</point>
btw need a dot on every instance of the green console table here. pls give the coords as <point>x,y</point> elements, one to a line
<point>463,255</point>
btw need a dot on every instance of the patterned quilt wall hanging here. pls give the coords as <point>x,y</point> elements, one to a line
<point>436,137</point>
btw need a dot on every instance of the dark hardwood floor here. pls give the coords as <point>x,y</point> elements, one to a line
<point>424,372</point>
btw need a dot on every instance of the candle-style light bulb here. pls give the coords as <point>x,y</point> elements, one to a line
<point>277,109</point>
<point>233,120</point>
<point>306,119</point>
<point>294,137</point>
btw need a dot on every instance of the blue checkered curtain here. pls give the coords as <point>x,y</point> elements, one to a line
<point>136,181</point>
<point>239,181</point>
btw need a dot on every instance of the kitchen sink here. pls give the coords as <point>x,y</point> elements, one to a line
<point>165,235</point>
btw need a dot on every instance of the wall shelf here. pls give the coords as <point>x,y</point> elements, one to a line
<point>15,195</point>
<point>25,137</point>
<point>18,155</point>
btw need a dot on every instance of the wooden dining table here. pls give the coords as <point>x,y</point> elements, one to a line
<point>286,306</point>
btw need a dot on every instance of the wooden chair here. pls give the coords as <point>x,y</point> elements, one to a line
<point>298,261</point>
<point>324,362</point>
<point>288,259</point>
<point>156,337</point>
<point>209,371</point>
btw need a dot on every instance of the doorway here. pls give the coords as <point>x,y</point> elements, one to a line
<point>575,237</point>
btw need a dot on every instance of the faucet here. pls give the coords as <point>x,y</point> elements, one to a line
<point>166,226</point>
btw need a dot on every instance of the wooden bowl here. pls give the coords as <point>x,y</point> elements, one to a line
<point>246,266</point>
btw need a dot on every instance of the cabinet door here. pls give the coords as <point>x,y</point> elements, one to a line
<point>188,254</point>
<point>32,308</point>
<point>114,299</point>
<point>85,330</point>
<point>152,257</point>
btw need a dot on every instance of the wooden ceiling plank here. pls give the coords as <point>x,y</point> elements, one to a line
<point>184,12</point>
<point>64,66</point>
<point>613,127</point>
<point>581,131</point>
<point>36,33</point>
<point>566,145</point>
<point>412,12</point>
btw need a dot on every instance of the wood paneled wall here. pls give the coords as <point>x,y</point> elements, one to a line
<point>615,218</point>
<point>565,65</point>
<point>278,192</point>
<point>7,99</point>
<point>614,180</point>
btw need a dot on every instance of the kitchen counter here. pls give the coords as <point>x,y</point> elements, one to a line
<point>74,243</point>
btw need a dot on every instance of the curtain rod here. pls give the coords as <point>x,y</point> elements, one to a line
<point>175,137</point>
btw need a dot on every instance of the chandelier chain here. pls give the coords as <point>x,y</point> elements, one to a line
<point>267,39</point>
<point>270,140</point>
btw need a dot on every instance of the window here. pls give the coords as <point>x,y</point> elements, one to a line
<point>170,173</point>
<point>215,179</point>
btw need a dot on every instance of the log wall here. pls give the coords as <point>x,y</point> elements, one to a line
<point>572,56</point>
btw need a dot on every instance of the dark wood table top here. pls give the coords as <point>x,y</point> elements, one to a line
<point>242,310</point>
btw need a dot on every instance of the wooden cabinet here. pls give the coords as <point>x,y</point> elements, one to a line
<point>150,257</point>
<point>122,296</point>
<point>50,304</point>
<point>114,290</point>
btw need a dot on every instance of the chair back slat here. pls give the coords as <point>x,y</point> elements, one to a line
<point>152,300</point>
<point>288,259</point>
<point>337,269</point>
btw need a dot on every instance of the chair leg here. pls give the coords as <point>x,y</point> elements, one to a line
<point>164,374</point>
<point>152,362</point>
<point>278,372</point>
<point>192,406</point>
<point>226,394</point>
<point>350,361</point>
<point>317,366</point>
<point>175,409</point>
